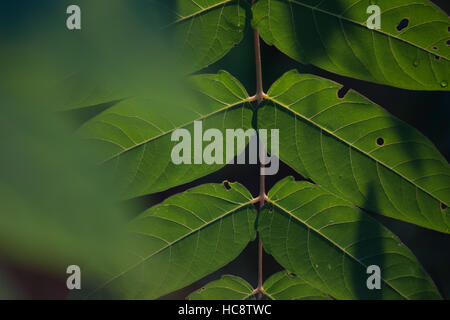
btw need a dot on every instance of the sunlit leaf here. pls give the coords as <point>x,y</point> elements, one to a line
<point>330,244</point>
<point>280,286</point>
<point>358,151</point>
<point>227,288</point>
<point>135,134</point>
<point>333,35</point>
<point>288,286</point>
<point>181,240</point>
<point>206,30</point>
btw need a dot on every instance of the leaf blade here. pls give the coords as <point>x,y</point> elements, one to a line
<point>135,134</point>
<point>329,244</point>
<point>336,142</point>
<point>228,287</point>
<point>287,286</point>
<point>207,226</point>
<point>205,31</point>
<point>334,36</point>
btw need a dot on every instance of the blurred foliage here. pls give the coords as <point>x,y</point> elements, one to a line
<point>57,207</point>
<point>119,52</point>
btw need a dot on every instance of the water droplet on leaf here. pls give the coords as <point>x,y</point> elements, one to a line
<point>444,84</point>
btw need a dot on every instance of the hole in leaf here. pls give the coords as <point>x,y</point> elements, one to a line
<point>342,92</point>
<point>435,48</point>
<point>437,57</point>
<point>448,42</point>
<point>402,24</point>
<point>226,184</point>
<point>380,141</point>
<point>292,275</point>
<point>443,206</point>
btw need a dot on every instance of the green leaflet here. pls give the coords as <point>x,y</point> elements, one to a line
<point>329,244</point>
<point>227,288</point>
<point>333,35</point>
<point>135,134</point>
<point>280,286</point>
<point>206,30</point>
<point>358,151</point>
<point>288,286</point>
<point>179,241</point>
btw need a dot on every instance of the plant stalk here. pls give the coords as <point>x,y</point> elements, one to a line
<point>259,83</point>
<point>262,177</point>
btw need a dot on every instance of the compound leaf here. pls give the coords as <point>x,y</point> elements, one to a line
<point>333,35</point>
<point>227,288</point>
<point>135,134</point>
<point>358,151</point>
<point>179,241</point>
<point>329,244</point>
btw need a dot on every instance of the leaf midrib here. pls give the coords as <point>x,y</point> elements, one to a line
<point>331,241</point>
<point>361,24</point>
<point>354,147</point>
<point>170,244</point>
<point>203,10</point>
